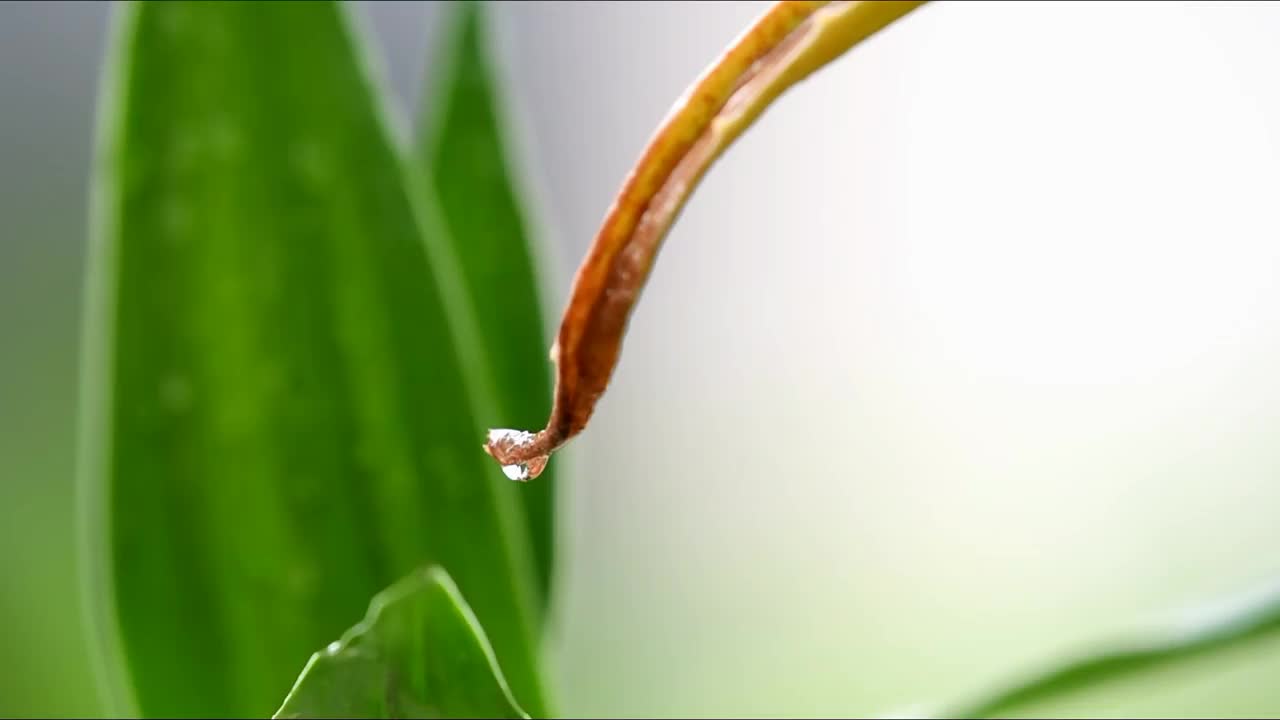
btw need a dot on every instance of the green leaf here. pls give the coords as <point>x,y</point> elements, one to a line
<point>284,412</point>
<point>462,145</point>
<point>1205,631</point>
<point>418,653</point>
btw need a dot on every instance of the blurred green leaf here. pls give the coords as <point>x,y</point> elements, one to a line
<point>1204,631</point>
<point>418,653</point>
<point>284,412</point>
<point>462,144</point>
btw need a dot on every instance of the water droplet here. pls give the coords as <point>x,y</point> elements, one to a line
<point>502,442</point>
<point>526,470</point>
<point>333,647</point>
<point>516,472</point>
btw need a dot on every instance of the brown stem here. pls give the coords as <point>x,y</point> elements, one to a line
<point>786,44</point>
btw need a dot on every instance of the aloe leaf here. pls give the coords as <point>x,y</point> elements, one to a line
<point>1202,633</point>
<point>281,408</point>
<point>464,144</point>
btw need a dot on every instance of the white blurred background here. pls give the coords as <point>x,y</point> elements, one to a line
<point>962,358</point>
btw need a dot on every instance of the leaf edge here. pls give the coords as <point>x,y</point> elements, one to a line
<point>421,580</point>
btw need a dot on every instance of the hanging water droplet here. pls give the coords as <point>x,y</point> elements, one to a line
<point>527,470</point>
<point>502,442</point>
<point>516,472</point>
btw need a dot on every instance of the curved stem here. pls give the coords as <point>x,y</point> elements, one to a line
<point>784,46</point>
